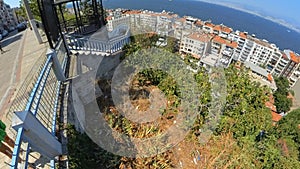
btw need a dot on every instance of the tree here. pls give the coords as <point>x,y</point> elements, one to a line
<point>34,9</point>
<point>282,103</point>
<point>289,126</point>
<point>245,113</point>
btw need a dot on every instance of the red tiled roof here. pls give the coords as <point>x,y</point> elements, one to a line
<point>243,35</point>
<point>270,106</point>
<point>209,24</point>
<point>226,42</point>
<point>199,23</point>
<point>108,18</point>
<point>217,28</point>
<point>181,20</point>
<point>270,78</point>
<point>130,12</point>
<point>200,37</point>
<point>276,117</point>
<point>222,28</point>
<point>294,58</point>
<point>226,29</point>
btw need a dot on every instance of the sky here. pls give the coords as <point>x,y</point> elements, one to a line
<point>280,10</point>
<point>12,3</point>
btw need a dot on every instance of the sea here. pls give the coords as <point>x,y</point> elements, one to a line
<point>282,36</point>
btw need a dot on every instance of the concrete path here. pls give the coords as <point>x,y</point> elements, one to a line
<point>296,89</point>
<point>21,52</point>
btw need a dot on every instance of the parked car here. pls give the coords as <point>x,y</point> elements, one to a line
<point>21,27</point>
<point>4,33</point>
<point>11,29</point>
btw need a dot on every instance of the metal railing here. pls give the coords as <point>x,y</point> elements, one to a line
<point>39,95</point>
<point>113,42</point>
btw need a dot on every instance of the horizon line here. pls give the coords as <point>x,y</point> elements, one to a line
<point>270,18</point>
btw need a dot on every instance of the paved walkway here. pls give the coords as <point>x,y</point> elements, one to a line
<point>296,89</point>
<point>22,51</point>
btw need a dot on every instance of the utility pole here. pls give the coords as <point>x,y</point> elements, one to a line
<point>32,22</point>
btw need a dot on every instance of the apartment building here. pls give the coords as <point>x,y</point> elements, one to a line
<point>291,70</point>
<point>7,18</point>
<point>273,62</point>
<point>149,21</point>
<point>208,27</point>
<point>222,30</point>
<point>262,51</point>
<point>224,49</point>
<point>204,39</point>
<point>165,22</point>
<point>196,44</point>
<point>245,46</point>
<point>114,21</point>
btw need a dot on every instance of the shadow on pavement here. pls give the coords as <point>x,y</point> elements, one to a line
<point>10,40</point>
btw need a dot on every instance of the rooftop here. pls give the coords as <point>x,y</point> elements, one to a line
<point>200,37</point>
<point>131,12</point>
<point>294,57</point>
<point>221,40</point>
<point>222,28</point>
<point>243,35</point>
<point>276,117</point>
<point>264,43</point>
<point>209,24</point>
<point>198,23</point>
<point>256,69</point>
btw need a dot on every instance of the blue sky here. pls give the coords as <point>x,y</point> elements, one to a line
<point>279,9</point>
<point>13,3</point>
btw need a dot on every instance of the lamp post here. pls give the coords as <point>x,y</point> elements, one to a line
<point>32,22</point>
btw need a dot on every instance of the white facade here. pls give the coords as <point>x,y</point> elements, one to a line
<point>7,18</point>
<point>113,22</point>
<point>195,44</point>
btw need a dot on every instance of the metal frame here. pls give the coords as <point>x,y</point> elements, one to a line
<point>80,27</point>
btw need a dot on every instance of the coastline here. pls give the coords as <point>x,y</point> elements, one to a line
<point>277,21</point>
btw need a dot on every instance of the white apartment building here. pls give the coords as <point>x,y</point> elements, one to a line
<point>164,26</point>
<point>224,49</point>
<point>222,30</point>
<point>113,22</point>
<point>245,47</point>
<point>262,51</point>
<point>7,18</point>
<point>208,27</point>
<point>272,65</point>
<point>196,44</point>
<point>291,68</point>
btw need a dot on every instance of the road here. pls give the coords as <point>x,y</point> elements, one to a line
<point>9,62</point>
<point>296,89</point>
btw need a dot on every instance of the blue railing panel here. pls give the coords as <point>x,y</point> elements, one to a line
<point>42,101</point>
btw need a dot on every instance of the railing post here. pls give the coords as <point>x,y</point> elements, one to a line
<point>15,155</point>
<point>56,66</point>
<point>36,134</point>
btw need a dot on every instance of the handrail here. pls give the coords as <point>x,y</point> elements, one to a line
<point>43,82</point>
